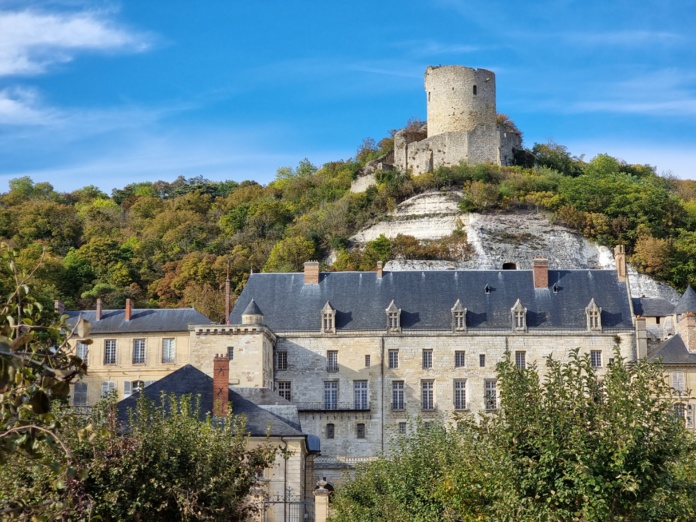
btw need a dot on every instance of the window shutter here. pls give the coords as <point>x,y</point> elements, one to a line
<point>678,381</point>
<point>127,389</point>
<point>148,383</point>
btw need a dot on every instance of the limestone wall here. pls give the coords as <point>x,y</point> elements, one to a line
<point>459,99</point>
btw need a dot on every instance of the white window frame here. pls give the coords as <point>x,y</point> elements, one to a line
<point>360,395</point>
<point>427,359</point>
<point>109,352</point>
<point>679,382</point>
<point>107,387</point>
<point>80,393</point>
<point>82,351</point>
<point>393,356</point>
<point>332,361</point>
<point>169,350</point>
<point>490,394</point>
<point>521,359</point>
<point>397,395</point>
<point>139,351</point>
<point>460,395</point>
<point>427,395</point>
<point>596,358</point>
<point>330,395</point>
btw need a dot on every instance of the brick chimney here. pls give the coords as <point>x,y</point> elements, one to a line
<point>687,330</point>
<point>129,309</point>
<point>99,309</point>
<point>620,260</point>
<point>540,267</point>
<point>379,270</point>
<point>311,272</point>
<point>221,385</point>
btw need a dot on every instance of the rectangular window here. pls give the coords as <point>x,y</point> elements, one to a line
<point>331,361</point>
<point>490,396</point>
<point>397,395</point>
<point>330,395</point>
<point>282,361</point>
<point>679,411</point>
<point>110,351</point>
<point>138,351</point>
<point>285,390</point>
<point>330,431</point>
<point>360,395</point>
<point>169,350</point>
<point>393,359</point>
<point>427,395</point>
<point>129,388</point>
<point>80,394</point>
<point>520,360</point>
<point>427,359</point>
<point>367,361</point>
<point>83,351</point>
<point>596,358</point>
<point>402,428</point>
<point>678,382</point>
<point>460,395</point>
<point>108,387</point>
<point>361,430</point>
<point>482,360</point>
<point>230,352</point>
<point>459,359</point>
<point>459,320</point>
<point>690,417</point>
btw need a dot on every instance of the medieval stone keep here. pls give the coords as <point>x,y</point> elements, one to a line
<point>462,127</point>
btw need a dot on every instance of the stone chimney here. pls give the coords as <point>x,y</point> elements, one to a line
<point>221,385</point>
<point>99,309</point>
<point>59,307</point>
<point>620,260</point>
<point>641,337</point>
<point>540,266</point>
<point>379,270</point>
<point>687,330</point>
<point>311,272</point>
<point>129,309</point>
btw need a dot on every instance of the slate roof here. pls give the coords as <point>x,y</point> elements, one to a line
<point>673,351</point>
<point>252,309</point>
<point>427,297</point>
<point>687,303</point>
<point>190,380</point>
<point>142,320</point>
<point>652,307</point>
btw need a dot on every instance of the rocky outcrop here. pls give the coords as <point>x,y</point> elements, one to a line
<point>510,239</point>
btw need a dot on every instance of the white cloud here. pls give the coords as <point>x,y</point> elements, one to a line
<point>31,41</point>
<point>622,38</point>
<point>21,106</point>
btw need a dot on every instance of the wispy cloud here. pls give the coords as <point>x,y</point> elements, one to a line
<point>21,106</point>
<point>621,38</point>
<point>31,40</point>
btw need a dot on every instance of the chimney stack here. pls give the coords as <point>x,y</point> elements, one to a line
<point>129,309</point>
<point>59,307</point>
<point>641,337</point>
<point>221,385</point>
<point>687,330</point>
<point>379,270</point>
<point>311,272</point>
<point>227,296</point>
<point>541,272</point>
<point>620,259</point>
<point>99,309</point>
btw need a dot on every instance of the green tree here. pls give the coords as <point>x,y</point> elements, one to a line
<point>566,444</point>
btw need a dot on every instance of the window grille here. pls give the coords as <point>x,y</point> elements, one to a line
<point>168,350</point>
<point>397,395</point>
<point>138,351</point>
<point>427,395</point>
<point>110,351</point>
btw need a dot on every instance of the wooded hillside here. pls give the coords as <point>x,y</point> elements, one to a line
<point>169,244</point>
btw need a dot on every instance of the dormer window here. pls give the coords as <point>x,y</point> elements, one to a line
<point>393,318</point>
<point>328,318</point>
<point>458,317</point>
<point>594,317</point>
<point>487,289</point>
<point>519,317</point>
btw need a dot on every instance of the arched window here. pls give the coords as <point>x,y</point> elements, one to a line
<point>509,266</point>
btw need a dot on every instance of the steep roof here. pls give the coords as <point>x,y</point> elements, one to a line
<point>252,309</point>
<point>652,307</point>
<point>427,297</point>
<point>673,351</point>
<point>687,303</point>
<point>190,380</point>
<point>142,320</point>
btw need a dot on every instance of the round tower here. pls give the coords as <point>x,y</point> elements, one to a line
<point>459,99</point>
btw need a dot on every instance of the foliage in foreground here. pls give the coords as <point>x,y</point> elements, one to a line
<point>565,446</point>
<point>169,465</point>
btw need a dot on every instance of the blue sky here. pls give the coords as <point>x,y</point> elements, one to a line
<point>110,93</point>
